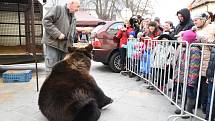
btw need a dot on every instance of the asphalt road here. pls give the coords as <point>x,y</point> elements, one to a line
<point>132,101</point>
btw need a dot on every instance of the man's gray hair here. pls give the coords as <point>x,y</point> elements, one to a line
<point>72,1</point>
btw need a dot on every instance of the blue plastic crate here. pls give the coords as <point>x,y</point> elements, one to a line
<point>17,76</point>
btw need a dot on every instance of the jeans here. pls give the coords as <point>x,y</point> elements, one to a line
<point>210,88</point>
<point>122,52</point>
<point>52,56</point>
<point>191,92</point>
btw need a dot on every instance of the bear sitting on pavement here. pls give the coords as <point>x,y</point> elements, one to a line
<point>70,93</point>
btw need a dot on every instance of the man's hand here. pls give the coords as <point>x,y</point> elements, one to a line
<point>61,37</point>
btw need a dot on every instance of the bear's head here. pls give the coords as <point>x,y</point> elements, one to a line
<point>79,58</point>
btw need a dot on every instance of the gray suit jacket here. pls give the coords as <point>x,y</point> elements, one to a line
<point>58,20</point>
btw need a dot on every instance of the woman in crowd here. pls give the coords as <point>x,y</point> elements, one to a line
<point>153,32</point>
<point>206,34</point>
<point>123,35</point>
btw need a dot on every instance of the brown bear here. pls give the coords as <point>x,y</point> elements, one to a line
<point>70,93</point>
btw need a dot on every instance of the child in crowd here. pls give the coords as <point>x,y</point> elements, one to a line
<point>130,50</point>
<point>193,68</point>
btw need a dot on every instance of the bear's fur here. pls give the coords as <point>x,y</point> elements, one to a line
<point>70,93</point>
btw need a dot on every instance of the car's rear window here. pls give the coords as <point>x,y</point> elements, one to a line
<point>95,30</point>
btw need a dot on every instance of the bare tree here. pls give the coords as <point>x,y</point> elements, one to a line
<point>107,9</point>
<point>139,6</point>
<point>104,8</point>
<point>54,2</point>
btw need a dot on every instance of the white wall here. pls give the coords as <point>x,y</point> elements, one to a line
<point>204,8</point>
<point>51,3</point>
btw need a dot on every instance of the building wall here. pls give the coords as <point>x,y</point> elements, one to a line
<point>203,8</point>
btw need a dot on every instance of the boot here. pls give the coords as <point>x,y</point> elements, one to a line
<point>178,111</point>
<point>190,104</point>
<point>122,67</point>
<point>131,75</point>
<point>138,78</point>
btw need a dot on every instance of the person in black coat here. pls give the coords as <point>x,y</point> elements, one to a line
<point>184,24</point>
<point>210,76</point>
<point>185,21</point>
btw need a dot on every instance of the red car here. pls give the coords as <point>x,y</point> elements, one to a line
<point>105,48</point>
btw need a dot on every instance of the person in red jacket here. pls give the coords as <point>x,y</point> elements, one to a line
<point>123,35</point>
<point>152,33</point>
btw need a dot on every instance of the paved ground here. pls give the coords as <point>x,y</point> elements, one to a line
<point>132,101</point>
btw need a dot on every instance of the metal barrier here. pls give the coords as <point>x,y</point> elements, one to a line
<point>174,68</point>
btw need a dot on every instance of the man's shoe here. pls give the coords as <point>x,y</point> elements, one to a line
<point>186,117</point>
<point>138,79</point>
<point>177,111</point>
<point>131,75</point>
<point>123,73</point>
<point>148,87</point>
<point>152,88</point>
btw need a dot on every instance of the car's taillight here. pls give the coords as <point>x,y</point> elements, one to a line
<point>96,43</point>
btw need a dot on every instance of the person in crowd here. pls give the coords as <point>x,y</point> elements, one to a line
<point>193,68</point>
<point>185,22</point>
<point>139,46</point>
<point>131,62</point>
<point>157,19</point>
<point>210,81</point>
<point>206,34</point>
<point>144,24</point>
<point>60,31</point>
<point>145,62</point>
<point>153,32</point>
<point>123,35</point>
<point>139,19</point>
<point>162,58</point>
<point>168,28</point>
<point>134,24</point>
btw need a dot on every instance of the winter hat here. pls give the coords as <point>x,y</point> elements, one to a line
<point>189,35</point>
<point>132,33</point>
<point>202,16</point>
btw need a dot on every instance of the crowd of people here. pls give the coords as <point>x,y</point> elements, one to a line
<point>151,57</point>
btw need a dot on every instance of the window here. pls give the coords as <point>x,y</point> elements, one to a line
<point>114,28</point>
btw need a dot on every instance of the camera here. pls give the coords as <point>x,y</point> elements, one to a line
<point>134,24</point>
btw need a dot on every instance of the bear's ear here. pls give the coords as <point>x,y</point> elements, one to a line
<point>89,48</point>
<point>71,49</point>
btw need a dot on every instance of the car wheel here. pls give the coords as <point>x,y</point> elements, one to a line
<point>114,62</point>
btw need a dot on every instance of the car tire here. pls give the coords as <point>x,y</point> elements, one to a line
<point>105,63</point>
<point>114,62</point>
